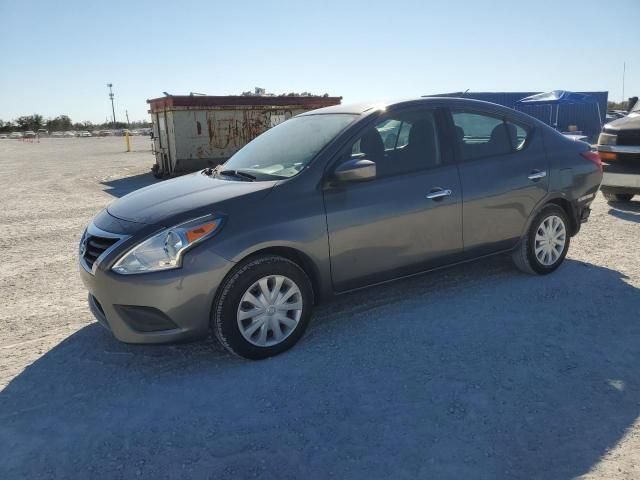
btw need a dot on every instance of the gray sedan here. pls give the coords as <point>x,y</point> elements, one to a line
<point>330,201</point>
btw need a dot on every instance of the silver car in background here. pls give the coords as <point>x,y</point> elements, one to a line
<point>330,201</point>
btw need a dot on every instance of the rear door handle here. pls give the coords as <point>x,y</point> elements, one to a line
<point>439,193</point>
<point>537,175</point>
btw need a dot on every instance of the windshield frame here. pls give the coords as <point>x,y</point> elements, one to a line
<point>262,176</point>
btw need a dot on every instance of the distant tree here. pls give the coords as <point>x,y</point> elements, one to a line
<point>61,122</point>
<point>7,127</point>
<point>617,105</point>
<point>86,125</point>
<point>30,122</point>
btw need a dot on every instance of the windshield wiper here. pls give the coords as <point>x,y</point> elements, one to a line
<point>238,174</point>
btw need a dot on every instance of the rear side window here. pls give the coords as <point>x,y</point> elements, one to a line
<point>481,135</point>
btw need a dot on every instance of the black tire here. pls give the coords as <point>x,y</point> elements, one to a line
<point>524,255</point>
<point>225,309</point>
<point>618,197</point>
<point>155,170</point>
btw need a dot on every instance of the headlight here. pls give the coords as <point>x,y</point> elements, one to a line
<point>164,250</point>
<point>607,139</point>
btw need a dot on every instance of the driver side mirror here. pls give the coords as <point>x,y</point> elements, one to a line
<point>355,170</point>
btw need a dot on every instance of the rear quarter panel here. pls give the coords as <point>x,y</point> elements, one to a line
<point>571,175</point>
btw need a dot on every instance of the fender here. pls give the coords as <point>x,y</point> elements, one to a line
<point>551,198</point>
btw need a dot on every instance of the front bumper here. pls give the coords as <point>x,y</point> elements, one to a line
<point>621,180</point>
<point>158,307</point>
<point>621,175</point>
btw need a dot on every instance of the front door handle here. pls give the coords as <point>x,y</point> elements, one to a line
<point>439,193</point>
<point>537,175</point>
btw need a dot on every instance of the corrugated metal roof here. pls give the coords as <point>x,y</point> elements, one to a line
<point>159,104</point>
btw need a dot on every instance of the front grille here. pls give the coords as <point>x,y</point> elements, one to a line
<point>95,247</point>
<point>628,137</point>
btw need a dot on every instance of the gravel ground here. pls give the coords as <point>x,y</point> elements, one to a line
<point>473,372</point>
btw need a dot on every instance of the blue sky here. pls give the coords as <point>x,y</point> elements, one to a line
<point>57,57</point>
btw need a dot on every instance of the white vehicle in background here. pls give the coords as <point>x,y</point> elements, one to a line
<point>16,135</point>
<point>69,134</point>
<point>29,134</point>
<point>4,135</point>
<point>43,132</point>
<point>57,134</point>
<point>84,133</point>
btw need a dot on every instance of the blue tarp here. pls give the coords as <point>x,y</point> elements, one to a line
<point>568,100</point>
<point>558,97</point>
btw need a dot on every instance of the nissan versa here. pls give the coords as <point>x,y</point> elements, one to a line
<point>330,201</point>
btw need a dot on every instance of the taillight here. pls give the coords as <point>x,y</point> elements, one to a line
<point>593,157</point>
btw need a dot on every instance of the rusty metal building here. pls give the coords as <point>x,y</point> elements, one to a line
<point>192,132</point>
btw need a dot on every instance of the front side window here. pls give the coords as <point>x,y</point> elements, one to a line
<point>401,144</point>
<point>284,150</point>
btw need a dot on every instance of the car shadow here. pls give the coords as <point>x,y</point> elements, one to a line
<point>122,186</point>
<point>626,211</point>
<point>472,372</point>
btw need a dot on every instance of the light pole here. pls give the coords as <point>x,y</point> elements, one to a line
<point>113,109</point>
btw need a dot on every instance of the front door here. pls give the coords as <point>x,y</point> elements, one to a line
<point>409,218</point>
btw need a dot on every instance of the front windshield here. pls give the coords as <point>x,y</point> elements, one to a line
<point>284,150</point>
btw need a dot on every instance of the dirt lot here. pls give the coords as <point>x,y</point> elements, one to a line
<point>475,372</point>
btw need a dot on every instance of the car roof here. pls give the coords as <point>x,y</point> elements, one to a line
<point>454,102</point>
<point>367,107</point>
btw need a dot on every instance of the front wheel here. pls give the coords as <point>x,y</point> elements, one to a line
<point>263,307</point>
<point>545,245</point>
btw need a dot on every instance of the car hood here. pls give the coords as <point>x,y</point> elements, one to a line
<point>630,122</point>
<point>166,202</point>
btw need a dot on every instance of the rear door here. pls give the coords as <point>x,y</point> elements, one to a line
<point>408,218</point>
<point>504,175</point>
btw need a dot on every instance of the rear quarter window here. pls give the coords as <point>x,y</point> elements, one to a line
<point>519,135</point>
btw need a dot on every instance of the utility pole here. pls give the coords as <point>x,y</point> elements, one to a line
<point>113,109</point>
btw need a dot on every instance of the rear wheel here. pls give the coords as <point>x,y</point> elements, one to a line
<point>155,170</point>
<point>263,308</point>
<point>617,197</point>
<point>546,243</point>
